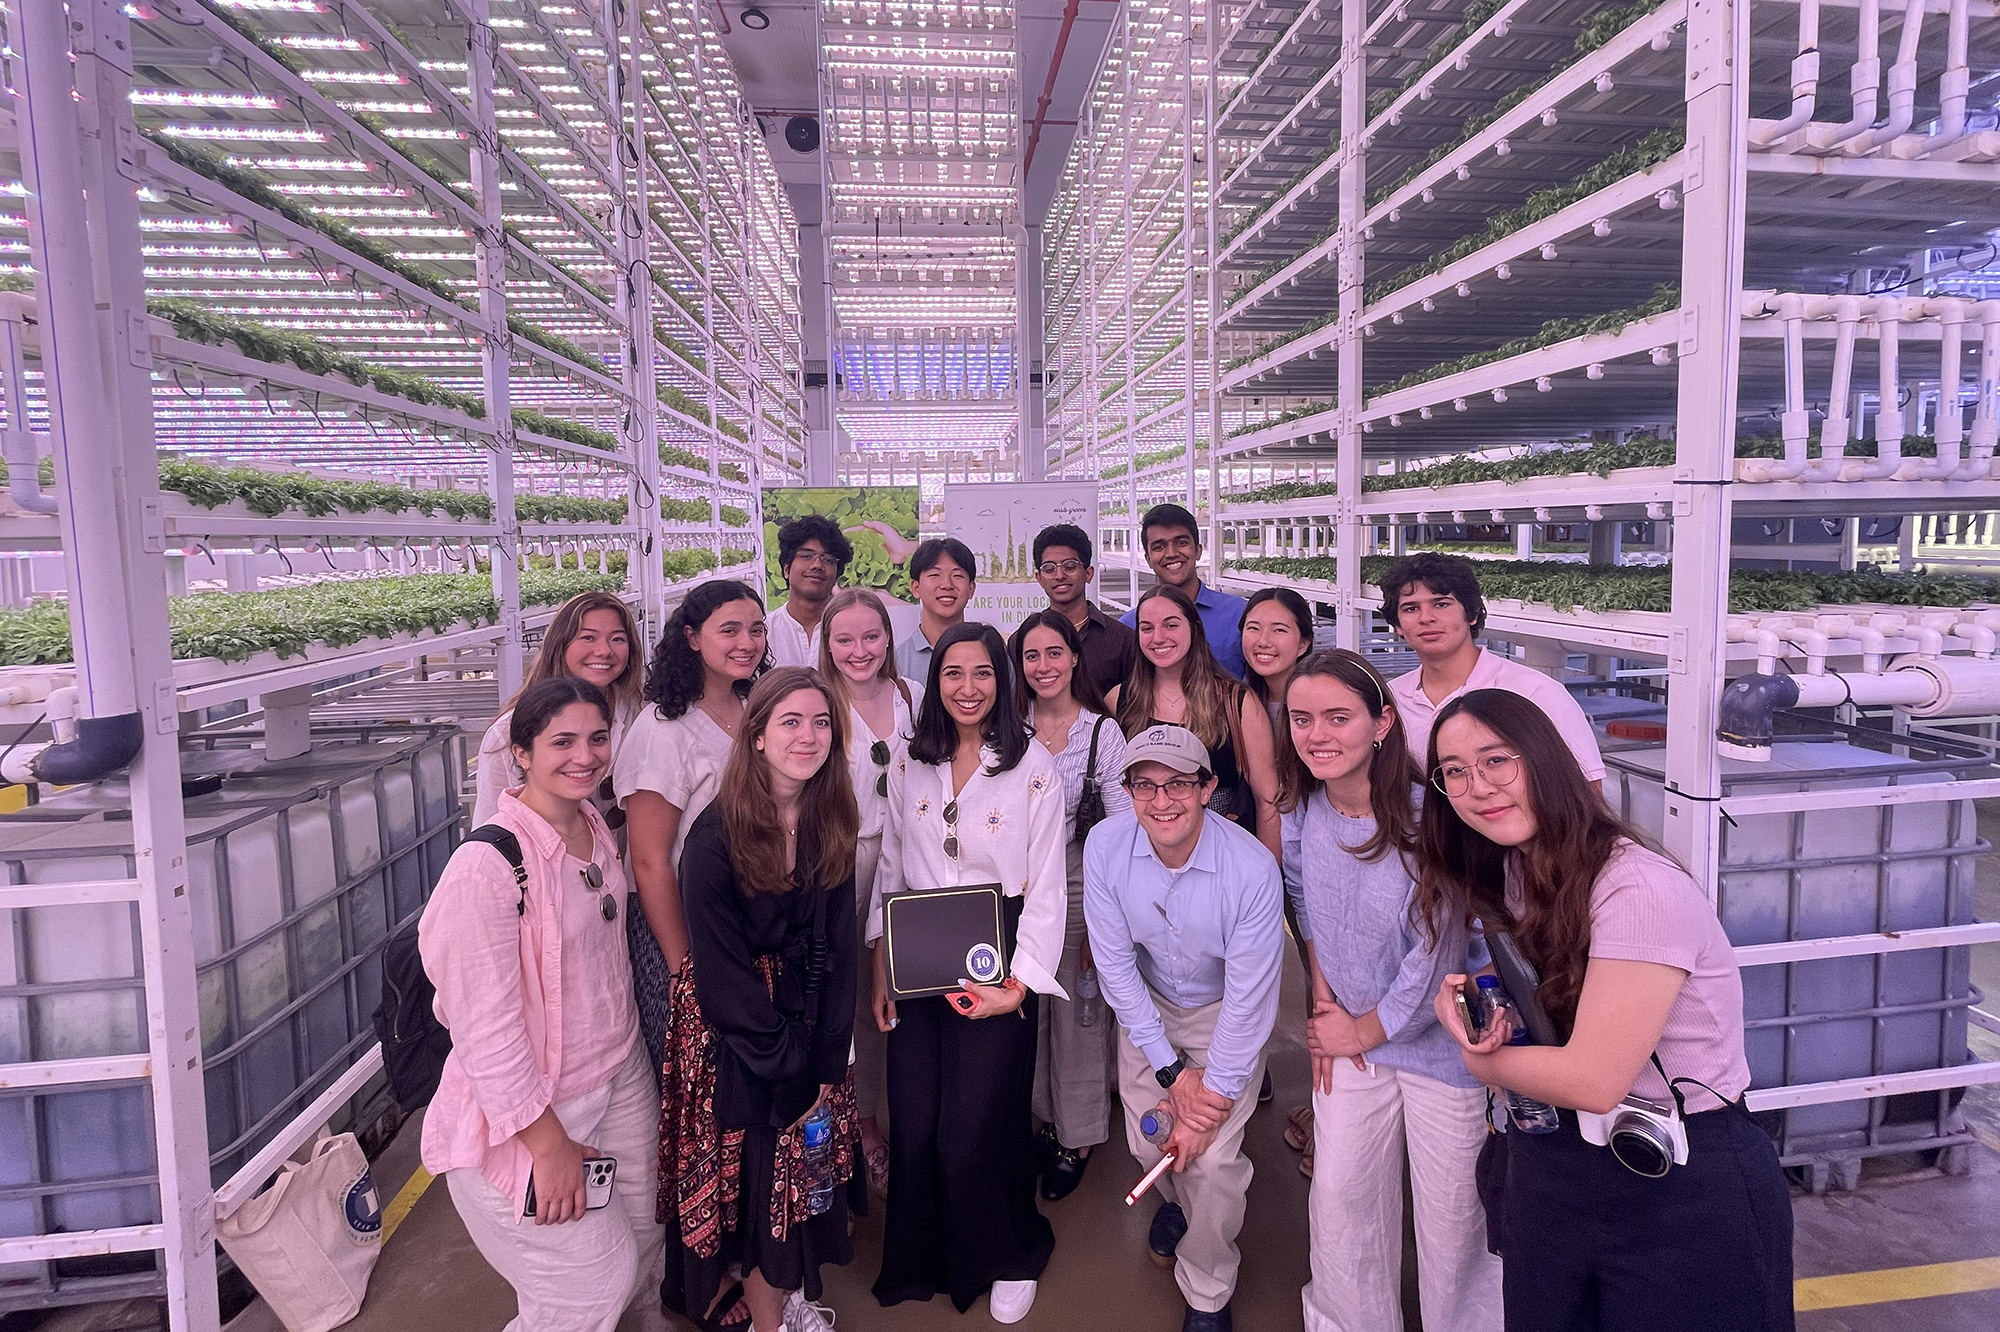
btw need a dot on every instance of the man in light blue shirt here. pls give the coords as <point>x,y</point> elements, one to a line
<point>1186,924</point>
<point>1172,543</point>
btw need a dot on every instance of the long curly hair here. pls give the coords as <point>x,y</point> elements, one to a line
<point>828,817</point>
<point>674,677</point>
<point>1391,773</point>
<point>1464,875</point>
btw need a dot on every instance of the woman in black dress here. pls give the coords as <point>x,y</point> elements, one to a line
<point>763,1013</point>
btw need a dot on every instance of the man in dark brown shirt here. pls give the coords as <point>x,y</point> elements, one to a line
<point>1063,567</point>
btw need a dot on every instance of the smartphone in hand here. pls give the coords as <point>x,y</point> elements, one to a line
<point>1471,1011</point>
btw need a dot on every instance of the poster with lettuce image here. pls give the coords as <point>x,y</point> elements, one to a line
<point>880,522</point>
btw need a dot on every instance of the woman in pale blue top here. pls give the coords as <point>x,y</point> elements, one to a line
<point>1386,1077</point>
<point>1073,1070</point>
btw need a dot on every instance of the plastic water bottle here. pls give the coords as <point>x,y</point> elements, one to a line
<point>1528,1114</point>
<point>1089,1001</point>
<point>1157,1125</point>
<point>817,1134</point>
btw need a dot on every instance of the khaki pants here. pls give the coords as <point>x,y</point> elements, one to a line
<point>1215,1187</point>
<point>581,1275</point>
<point>1360,1132</point>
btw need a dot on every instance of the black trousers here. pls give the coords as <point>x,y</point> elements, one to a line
<point>961,1210</point>
<point>1592,1247</point>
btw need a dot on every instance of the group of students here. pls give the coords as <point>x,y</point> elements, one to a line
<point>1162,800</point>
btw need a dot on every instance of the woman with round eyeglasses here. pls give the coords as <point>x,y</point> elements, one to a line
<point>976,801</point>
<point>1640,982</point>
<point>858,661</point>
<point>1073,1061</point>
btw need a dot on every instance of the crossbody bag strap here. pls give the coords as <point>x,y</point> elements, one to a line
<point>1090,763</point>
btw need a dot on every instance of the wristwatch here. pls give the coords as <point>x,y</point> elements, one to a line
<point>1167,1076</point>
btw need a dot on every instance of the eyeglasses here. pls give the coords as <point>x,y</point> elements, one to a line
<point>1050,568</point>
<point>1179,788</point>
<point>879,751</point>
<point>951,830</point>
<point>1455,779</point>
<point>593,879</point>
<point>819,558</point>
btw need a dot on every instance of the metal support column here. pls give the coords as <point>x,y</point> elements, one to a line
<point>80,154</point>
<point>634,297</point>
<point>490,267</point>
<point>1712,215</point>
<point>1348,614</point>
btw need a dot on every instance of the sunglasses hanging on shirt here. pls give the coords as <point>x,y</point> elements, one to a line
<point>951,830</point>
<point>879,751</point>
<point>593,879</point>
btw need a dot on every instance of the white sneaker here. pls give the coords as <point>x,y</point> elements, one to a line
<point>802,1315</point>
<point>1011,1300</point>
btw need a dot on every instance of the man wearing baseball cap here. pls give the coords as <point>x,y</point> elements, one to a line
<point>1185,915</point>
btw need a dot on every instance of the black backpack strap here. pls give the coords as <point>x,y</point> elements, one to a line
<point>508,845</point>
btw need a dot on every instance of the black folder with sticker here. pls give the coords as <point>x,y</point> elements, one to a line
<point>940,936</point>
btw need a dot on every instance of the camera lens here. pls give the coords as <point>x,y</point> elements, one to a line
<point>1642,1146</point>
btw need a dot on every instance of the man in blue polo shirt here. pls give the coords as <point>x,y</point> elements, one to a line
<point>1173,552</point>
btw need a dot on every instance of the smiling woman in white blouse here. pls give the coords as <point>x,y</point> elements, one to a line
<point>977,801</point>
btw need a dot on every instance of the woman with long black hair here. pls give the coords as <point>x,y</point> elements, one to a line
<point>977,801</point>
<point>1074,1072</point>
<point>764,1007</point>
<point>1640,983</point>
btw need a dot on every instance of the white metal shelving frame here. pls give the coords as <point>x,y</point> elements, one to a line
<point>1394,185</point>
<point>1127,352</point>
<point>562,208</point>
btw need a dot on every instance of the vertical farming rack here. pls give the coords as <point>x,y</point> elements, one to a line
<point>1659,299</point>
<point>401,320</point>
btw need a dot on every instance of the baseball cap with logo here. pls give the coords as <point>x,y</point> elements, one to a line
<point>1176,746</point>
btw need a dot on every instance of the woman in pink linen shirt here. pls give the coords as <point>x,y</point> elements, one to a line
<point>1640,984</point>
<point>546,1068</point>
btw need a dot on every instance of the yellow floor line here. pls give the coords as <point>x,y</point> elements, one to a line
<point>1896,1283</point>
<point>399,1207</point>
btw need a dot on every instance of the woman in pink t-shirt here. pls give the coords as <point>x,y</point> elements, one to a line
<point>1640,983</point>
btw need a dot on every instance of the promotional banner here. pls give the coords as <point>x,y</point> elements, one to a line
<point>998,521</point>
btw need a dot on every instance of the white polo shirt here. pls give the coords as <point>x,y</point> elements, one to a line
<point>790,644</point>
<point>1493,671</point>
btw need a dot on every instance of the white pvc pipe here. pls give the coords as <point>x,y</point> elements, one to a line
<point>17,442</point>
<point>1805,79</point>
<point>1796,424</point>
<point>1894,688</point>
<point>1953,84</point>
<point>1888,312</point>
<point>1846,311</point>
<point>83,426</point>
<point>1986,414</point>
<point>1902,84</point>
<point>1864,80</point>
<point>1950,314</point>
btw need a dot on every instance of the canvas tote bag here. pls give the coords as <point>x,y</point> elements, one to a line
<point>309,1241</point>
